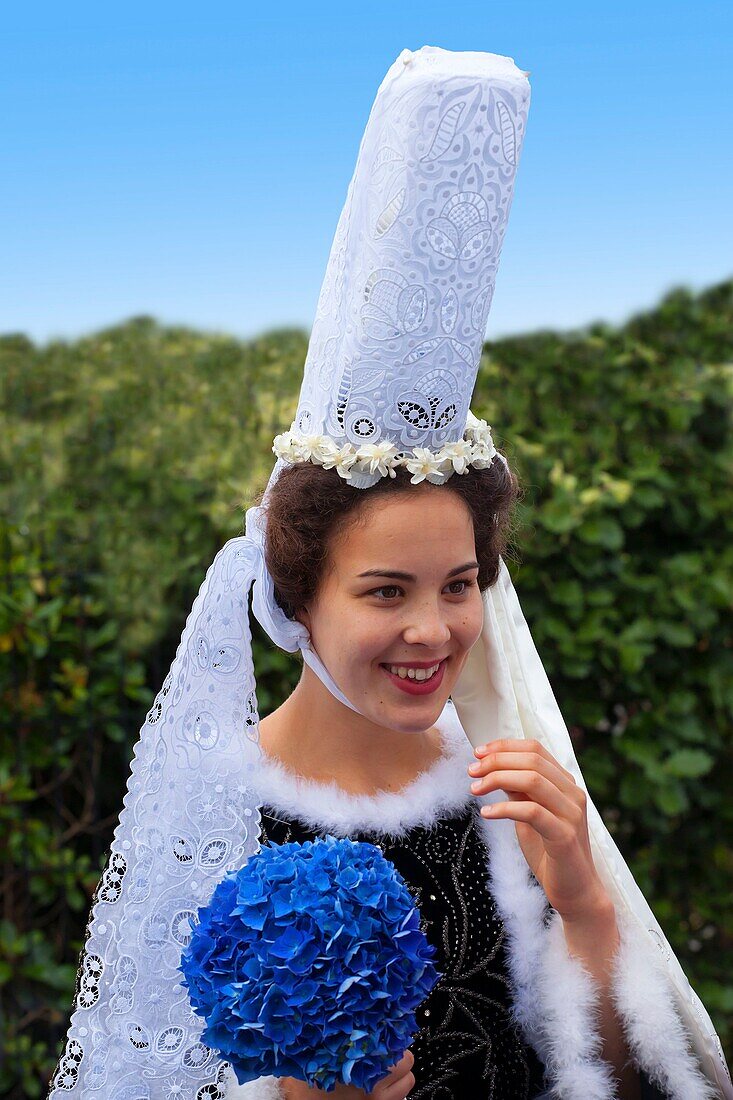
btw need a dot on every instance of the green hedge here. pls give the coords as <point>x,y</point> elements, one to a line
<point>127,459</point>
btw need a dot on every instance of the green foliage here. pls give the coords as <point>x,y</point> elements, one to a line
<point>127,458</point>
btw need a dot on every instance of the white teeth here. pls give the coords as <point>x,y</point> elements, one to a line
<point>413,673</point>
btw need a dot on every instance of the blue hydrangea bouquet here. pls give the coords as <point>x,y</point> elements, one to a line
<point>309,962</point>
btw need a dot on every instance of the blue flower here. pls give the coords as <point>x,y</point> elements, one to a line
<point>309,962</point>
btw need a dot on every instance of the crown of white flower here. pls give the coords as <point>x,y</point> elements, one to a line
<point>475,449</point>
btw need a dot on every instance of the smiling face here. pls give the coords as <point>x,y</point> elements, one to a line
<point>432,614</point>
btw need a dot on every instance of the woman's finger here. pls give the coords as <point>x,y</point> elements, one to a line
<point>400,1089</point>
<point>520,745</point>
<point>406,1062</point>
<point>552,828</point>
<point>399,1081</point>
<point>536,787</point>
<point>528,761</point>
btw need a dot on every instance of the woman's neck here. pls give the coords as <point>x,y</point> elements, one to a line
<point>316,736</point>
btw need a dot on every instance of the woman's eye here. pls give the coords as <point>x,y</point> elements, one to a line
<point>385,588</point>
<point>466,584</point>
<point>392,588</point>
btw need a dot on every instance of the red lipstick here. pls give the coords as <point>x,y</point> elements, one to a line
<point>417,687</point>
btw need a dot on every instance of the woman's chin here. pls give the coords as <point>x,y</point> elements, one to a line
<point>416,715</point>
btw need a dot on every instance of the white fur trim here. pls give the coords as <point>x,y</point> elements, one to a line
<point>571,1018</point>
<point>654,1032</point>
<point>443,788</point>
<point>555,999</point>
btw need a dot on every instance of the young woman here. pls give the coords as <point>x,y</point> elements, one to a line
<point>389,584</point>
<point>377,551</point>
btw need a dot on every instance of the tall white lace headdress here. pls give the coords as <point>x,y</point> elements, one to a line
<point>391,367</point>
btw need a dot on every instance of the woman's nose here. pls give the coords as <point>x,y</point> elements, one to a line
<point>429,628</point>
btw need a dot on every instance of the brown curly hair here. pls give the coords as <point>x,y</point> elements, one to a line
<point>308,506</point>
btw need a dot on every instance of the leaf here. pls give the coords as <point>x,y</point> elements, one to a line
<point>689,763</point>
<point>570,593</point>
<point>508,132</point>
<point>557,517</point>
<point>632,655</point>
<point>677,634</point>
<point>389,215</point>
<point>106,633</point>
<point>602,531</point>
<point>671,800</point>
<point>648,496</point>
<point>445,132</point>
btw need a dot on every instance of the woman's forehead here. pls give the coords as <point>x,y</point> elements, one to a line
<point>419,525</point>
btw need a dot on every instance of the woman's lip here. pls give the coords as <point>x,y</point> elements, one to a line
<point>418,687</point>
<point>415,664</point>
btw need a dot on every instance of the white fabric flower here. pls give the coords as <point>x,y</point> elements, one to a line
<point>340,458</point>
<point>378,456</point>
<point>458,455</point>
<point>478,430</point>
<point>475,449</point>
<point>285,447</point>
<point>425,465</point>
<point>313,448</point>
<point>483,456</point>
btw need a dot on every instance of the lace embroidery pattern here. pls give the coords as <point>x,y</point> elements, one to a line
<point>400,322</point>
<point>194,816</point>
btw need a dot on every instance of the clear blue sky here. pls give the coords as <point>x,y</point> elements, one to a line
<point>190,161</point>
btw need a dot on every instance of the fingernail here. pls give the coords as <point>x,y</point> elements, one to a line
<point>473,768</point>
<point>481,748</point>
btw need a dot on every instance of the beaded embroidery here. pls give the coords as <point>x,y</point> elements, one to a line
<point>467,1044</point>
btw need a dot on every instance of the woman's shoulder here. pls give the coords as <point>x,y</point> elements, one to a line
<point>441,789</point>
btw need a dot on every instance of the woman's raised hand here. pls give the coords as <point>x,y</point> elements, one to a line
<point>550,812</point>
<point>395,1086</point>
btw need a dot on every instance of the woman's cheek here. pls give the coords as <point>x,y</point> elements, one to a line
<point>471,626</point>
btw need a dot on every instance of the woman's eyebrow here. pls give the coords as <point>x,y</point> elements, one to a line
<point>395,574</point>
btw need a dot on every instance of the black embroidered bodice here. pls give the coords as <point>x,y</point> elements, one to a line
<point>468,1047</point>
